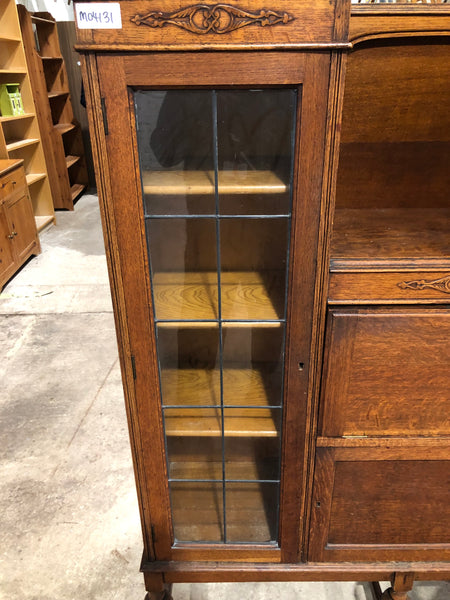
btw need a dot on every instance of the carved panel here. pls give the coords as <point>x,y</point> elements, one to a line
<point>217,18</point>
<point>440,285</point>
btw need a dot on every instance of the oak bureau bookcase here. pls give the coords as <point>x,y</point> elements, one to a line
<point>282,314</point>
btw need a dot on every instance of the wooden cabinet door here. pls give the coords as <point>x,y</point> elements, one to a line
<point>381,501</point>
<point>19,213</point>
<point>386,372</point>
<point>7,263</point>
<point>212,216</point>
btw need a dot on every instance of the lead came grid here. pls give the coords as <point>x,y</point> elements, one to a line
<point>222,411</point>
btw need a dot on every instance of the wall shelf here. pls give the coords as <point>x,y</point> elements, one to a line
<point>17,144</point>
<point>16,117</point>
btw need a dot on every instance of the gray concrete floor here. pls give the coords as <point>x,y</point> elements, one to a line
<point>69,518</point>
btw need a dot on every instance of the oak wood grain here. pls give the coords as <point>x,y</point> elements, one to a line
<point>202,182</point>
<point>244,295</point>
<point>308,25</point>
<point>241,386</point>
<point>398,287</point>
<point>386,519</point>
<point>386,373</point>
<point>383,234</point>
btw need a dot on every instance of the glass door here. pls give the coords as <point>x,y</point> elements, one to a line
<point>217,178</point>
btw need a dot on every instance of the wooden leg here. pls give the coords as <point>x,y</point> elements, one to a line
<point>402,583</point>
<point>165,594</point>
<point>376,590</point>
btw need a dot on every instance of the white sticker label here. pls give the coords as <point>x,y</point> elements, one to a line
<point>98,15</point>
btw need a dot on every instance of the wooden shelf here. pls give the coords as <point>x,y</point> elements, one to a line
<point>16,117</point>
<point>14,71</point>
<point>36,19</point>
<point>202,182</point>
<point>197,511</point>
<point>17,144</point>
<point>52,95</point>
<point>201,387</point>
<point>64,127</point>
<point>71,160</point>
<point>35,177</point>
<point>207,422</point>
<point>76,189</point>
<point>43,220</point>
<point>371,237</point>
<point>210,469</point>
<point>245,295</point>
<point>9,38</point>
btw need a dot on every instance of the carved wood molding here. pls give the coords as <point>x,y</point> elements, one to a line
<point>440,285</point>
<point>216,18</point>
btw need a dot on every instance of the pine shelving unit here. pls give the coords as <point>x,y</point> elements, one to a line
<point>20,136</point>
<point>61,133</point>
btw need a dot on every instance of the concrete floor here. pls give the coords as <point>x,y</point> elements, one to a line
<point>69,518</point>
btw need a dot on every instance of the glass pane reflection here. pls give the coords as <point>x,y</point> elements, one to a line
<point>217,178</point>
<point>255,139</point>
<point>184,268</point>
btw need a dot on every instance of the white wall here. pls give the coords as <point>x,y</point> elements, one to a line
<point>60,10</point>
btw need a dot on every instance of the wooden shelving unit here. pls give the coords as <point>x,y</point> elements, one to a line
<point>61,133</point>
<point>20,137</point>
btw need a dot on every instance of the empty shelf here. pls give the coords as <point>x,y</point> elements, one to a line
<point>76,189</point>
<point>207,422</point>
<point>43,220</point>
<point>13,70</point>
<point>392,236</point>
<point>15,117</point>
<point>37,19</point>
<point>246,296</point>
<point>71,160</point>
<point>34,177</point>
<point>17,144</point>
<point>9,38</point>
<point>64,127</point>
<point>201,387</point>
<point>57,94</point>
<point>202,182</point>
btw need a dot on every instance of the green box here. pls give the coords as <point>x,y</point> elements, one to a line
<point>11,100</point>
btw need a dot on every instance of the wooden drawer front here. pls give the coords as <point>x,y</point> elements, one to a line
<point>372,505</point>
<point>13,185</point>
<point>395,288</point>
<point>172,24</point>
<point>386,372</point>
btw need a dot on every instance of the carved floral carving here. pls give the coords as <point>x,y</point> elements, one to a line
<point>441,285</point>
<point>217,18</point>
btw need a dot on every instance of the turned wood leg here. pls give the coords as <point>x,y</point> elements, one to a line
<point>165,594</point>
<point>401,583</point>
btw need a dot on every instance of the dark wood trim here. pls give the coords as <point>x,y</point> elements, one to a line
<point>304,302</point>
<point>95,117</point>
<point>146,415</point>
<point>191,572</point>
